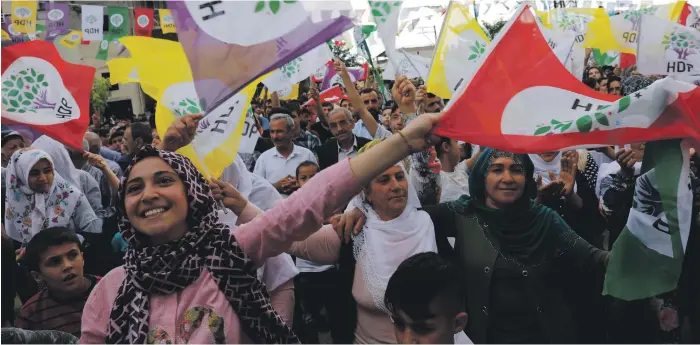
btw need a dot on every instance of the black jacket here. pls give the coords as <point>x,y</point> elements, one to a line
<point>328,152</point>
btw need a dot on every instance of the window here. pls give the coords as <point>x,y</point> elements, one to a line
<point>112,87</point>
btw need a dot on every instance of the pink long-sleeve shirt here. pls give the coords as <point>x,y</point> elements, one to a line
<point>184,317</point>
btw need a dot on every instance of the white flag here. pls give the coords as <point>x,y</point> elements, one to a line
<point>386,15</point>
<point>298,69</point>
<point>666,47</point>
<point>93,20</point>
<point>561,42</point>
<point>410,65</point>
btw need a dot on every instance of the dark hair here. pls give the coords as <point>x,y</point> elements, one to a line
<point>280,110</point>
<point>293,105</point>
<point>431,95</point>
<point>306,164</point>
<point>152,122</point>
<point>394,107</point>
<point>114,135</point>
<point>143,131</point>
<point>43,240</point>
<point>103,132</point>
<point>438,147</point>
<point>368,90</point>
<point>327,104</point>
<point>419,280</point>
<point>617,79</point>
<point>590,82</point>
<point>602,78</point>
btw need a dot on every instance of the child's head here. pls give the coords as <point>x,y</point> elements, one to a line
<point>426,297</point>
<point>305,171</point>
<point>55,257</point>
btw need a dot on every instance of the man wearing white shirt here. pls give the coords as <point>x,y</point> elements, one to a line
<point>278,165</point>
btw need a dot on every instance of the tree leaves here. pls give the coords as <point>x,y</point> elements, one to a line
<point>29,79</point>
<point>40,78</point>
<point>8,83</point>
<point>623,103</point>
<point>584,124</point>
<point>274,6</point>
<point>29,95</point>
<point>259,6</point>
<point>542,130</point>
<point>14,103</point>
<point>20,83</point>
<point>13,93</point>
<point>602,119</point>
<point>33,72</point>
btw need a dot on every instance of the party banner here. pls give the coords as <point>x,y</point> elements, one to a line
<point>167,78</point>
<point>56,20</point>
<point>167,21</point>
<point>410,65</point>
<point>298,69</point>
<point>24,16</point>
<point>690,17</point>
<point>667,48</point>
<point>93,20</point>
<point>289,93</point>
<point>460,37</point>
<point>333,95</point>
<point>331,78</point>
<point>71,40</point>
<point>647,259</point>
<point>118,22</point>
<point>386,16</point>
<point>103,50</point>
<point>620,32</point>
<point>224,53</point>
<point>538,106</point>
<point>41,90</point>
<point>144,21</point>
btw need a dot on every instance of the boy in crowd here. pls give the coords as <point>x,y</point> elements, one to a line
<point>432,310</point>
<point>55,258</point>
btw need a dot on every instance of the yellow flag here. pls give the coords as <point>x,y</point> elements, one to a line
<point>461,38</point>
<point>167,22</point>
<point>72,39</point>
<point>571,20</point>
<point>166,77</point>
<point>620,32</point>
<point>24,16</point>
<point>5,36</point>
<point>289,93</point>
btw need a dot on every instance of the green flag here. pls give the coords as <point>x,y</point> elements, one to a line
<point>360,33</point>
<point>104,48</point>
<point>646,259</point>
<point>118,21</point>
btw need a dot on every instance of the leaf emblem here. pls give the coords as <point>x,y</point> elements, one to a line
<point>602,119</point>
<point>584,124</point>
<point>542,130</point>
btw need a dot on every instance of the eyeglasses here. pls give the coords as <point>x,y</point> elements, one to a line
<point>368,101</point>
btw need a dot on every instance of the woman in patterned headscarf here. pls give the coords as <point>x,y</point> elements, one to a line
<point>186,277</point>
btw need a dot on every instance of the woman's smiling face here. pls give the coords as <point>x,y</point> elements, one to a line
<point>155,200</point>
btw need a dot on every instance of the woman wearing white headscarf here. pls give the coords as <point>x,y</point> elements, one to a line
<point>395,230</point>
<point>78,178</point>
<point>38,197</point>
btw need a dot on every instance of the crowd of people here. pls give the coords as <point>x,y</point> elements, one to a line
<point>349,223</point>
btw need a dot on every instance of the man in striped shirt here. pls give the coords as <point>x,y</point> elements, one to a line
<point>55,258</point>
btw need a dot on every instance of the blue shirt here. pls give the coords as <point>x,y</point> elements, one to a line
<point>264,122</point>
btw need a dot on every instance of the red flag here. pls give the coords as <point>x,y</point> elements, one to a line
<point>46,93</point>
<point>144,21</point>
<point>522,99</point>
<point>333,95</point>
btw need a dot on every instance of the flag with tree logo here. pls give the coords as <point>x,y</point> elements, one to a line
<point>42,91</point>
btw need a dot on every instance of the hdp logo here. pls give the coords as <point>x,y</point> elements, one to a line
<point>168,19</point>
<point>104,44</point>
<point>91,19</point>
<point>23,12</point>
<point>55,15</point>
<point>116,19</point>
<point>142,20</point>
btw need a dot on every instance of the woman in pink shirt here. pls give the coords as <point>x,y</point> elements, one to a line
<point>186,278</point>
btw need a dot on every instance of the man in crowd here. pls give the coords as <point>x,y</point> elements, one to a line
<point>11,142</point>
<point>136,136</point>
<point>321,127</point>
<point>301,137</point>
<point>603,85</point>
<point>615,86</point>
<point>432,103</point>
<point>370,97</point>
<point>55,258</point>
<point>278,165</point>
<point>345,144</point>
<point>95,146</point>
<point>115,141</point>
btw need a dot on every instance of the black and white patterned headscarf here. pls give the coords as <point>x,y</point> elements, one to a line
<point>171,267</point>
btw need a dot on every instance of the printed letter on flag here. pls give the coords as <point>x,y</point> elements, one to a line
<point>56,20</point>
<point>221,46</point>
<point>71,40</point>
<point>118,21</point>
<point>92,22</point>
<point>44,92</point>
<point>647,259</point>
<point>167,21</point>
<point>144,21</point>
<point>522,99</point>
<point>24,16</point>
<point>668,48</point>
<point>460,36</point>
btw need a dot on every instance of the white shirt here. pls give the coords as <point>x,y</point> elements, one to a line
<point>342,154</point>
<point>272,166</point>
<point>382,133</point>
<point>454,184</point>
<point>361,130</point>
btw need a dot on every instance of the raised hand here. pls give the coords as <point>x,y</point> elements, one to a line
<point>551,190</point>
<point>567,175</point>
<point>627,158</point>
<point>96,160</point>
<point>231,197</point>
<point>180,133</point>
<point>404,94</point>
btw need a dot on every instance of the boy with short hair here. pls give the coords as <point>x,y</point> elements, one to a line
<point>427,300</point>
<point>305,171</point>
<point>55,259</point>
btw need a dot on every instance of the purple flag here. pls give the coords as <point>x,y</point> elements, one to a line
<point>16,36</point>
<point>331,78</point>
<point>56,20</point>
<point>229,44</point>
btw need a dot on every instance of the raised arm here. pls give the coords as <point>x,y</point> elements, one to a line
<point>355,99</point>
